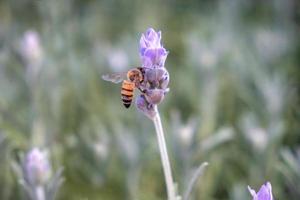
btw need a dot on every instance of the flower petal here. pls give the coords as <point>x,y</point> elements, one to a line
<point>252,192</point>
<point>156,75</point>
<point>154,96</point>
<point>151,47</point>
<point>264,193</point>
<point>156,56</point>
<point>151,35</point>
<point>145,107</point>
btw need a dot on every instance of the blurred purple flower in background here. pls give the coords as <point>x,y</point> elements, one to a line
<point>36,177</point>
<point>32,52</point>
<point>156,77</point>
<point>264,193</point>
<point>37,167</point>
<point>31,48</point>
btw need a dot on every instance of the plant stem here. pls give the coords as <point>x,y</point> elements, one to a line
<point>40,193</point>
<point>164,155</point>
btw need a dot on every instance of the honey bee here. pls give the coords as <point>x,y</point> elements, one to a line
<point>131,80</point>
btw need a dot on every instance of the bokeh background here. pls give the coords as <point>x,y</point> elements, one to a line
<point>233,100</point>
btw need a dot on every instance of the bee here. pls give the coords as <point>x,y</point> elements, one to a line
<point>131,79</point>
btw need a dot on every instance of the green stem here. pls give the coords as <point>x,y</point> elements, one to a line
<point>164,156</point>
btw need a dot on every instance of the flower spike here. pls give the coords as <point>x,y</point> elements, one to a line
<point>264,193</point>
<point>156,77</point>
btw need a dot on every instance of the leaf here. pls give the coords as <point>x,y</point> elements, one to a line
<point>193,180</point>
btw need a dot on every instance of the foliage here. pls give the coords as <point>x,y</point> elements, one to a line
<point>233,99</point>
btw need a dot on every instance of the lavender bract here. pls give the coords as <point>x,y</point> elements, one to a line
<point>156,78</point>
<point>264,193</point>
<point>152,53</point>
<point>144,106</point>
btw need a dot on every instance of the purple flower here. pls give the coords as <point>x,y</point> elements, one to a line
<point>264,193</point>
<point>155,96</point>
<point>145,107</point>
<point>156,77</point>
<point>37,167</point>
<point>31,48</point>
<point>152,53</point>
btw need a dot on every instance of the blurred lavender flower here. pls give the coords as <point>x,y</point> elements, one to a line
<point>273,90</point>
<point>37,167</point>
<point>156,77</point>
<point>129,147</point>
<point>117,59</point>
<point>264,193</point>
<point>271,44</point>
<point>32,52</point>
<point>208,58</point>
<point>31,48</point>
<point>36,175</point>
<point>101,148</point>
<point>256,135</point>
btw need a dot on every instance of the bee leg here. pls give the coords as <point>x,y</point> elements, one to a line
<point>142,91</point>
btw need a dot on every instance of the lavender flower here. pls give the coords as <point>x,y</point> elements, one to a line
<point>264,193</point>
<point>144,106</point>
<point>31,48</point>
<point>35,175</point>
<point>156,78</point>
<point>152,53</point>
<point>37,167</point>
<point>32,53</point>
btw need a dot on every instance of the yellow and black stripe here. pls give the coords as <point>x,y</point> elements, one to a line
<point>127,93</point>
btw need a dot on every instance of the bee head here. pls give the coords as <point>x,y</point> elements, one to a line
<point>134,75</point>
<point>131,76</point>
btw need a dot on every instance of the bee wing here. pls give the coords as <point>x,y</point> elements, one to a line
<point>115,77</point>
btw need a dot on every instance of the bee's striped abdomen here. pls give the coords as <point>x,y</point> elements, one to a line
<point>127,93</point>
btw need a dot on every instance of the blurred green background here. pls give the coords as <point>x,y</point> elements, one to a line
<point>233,102</point>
